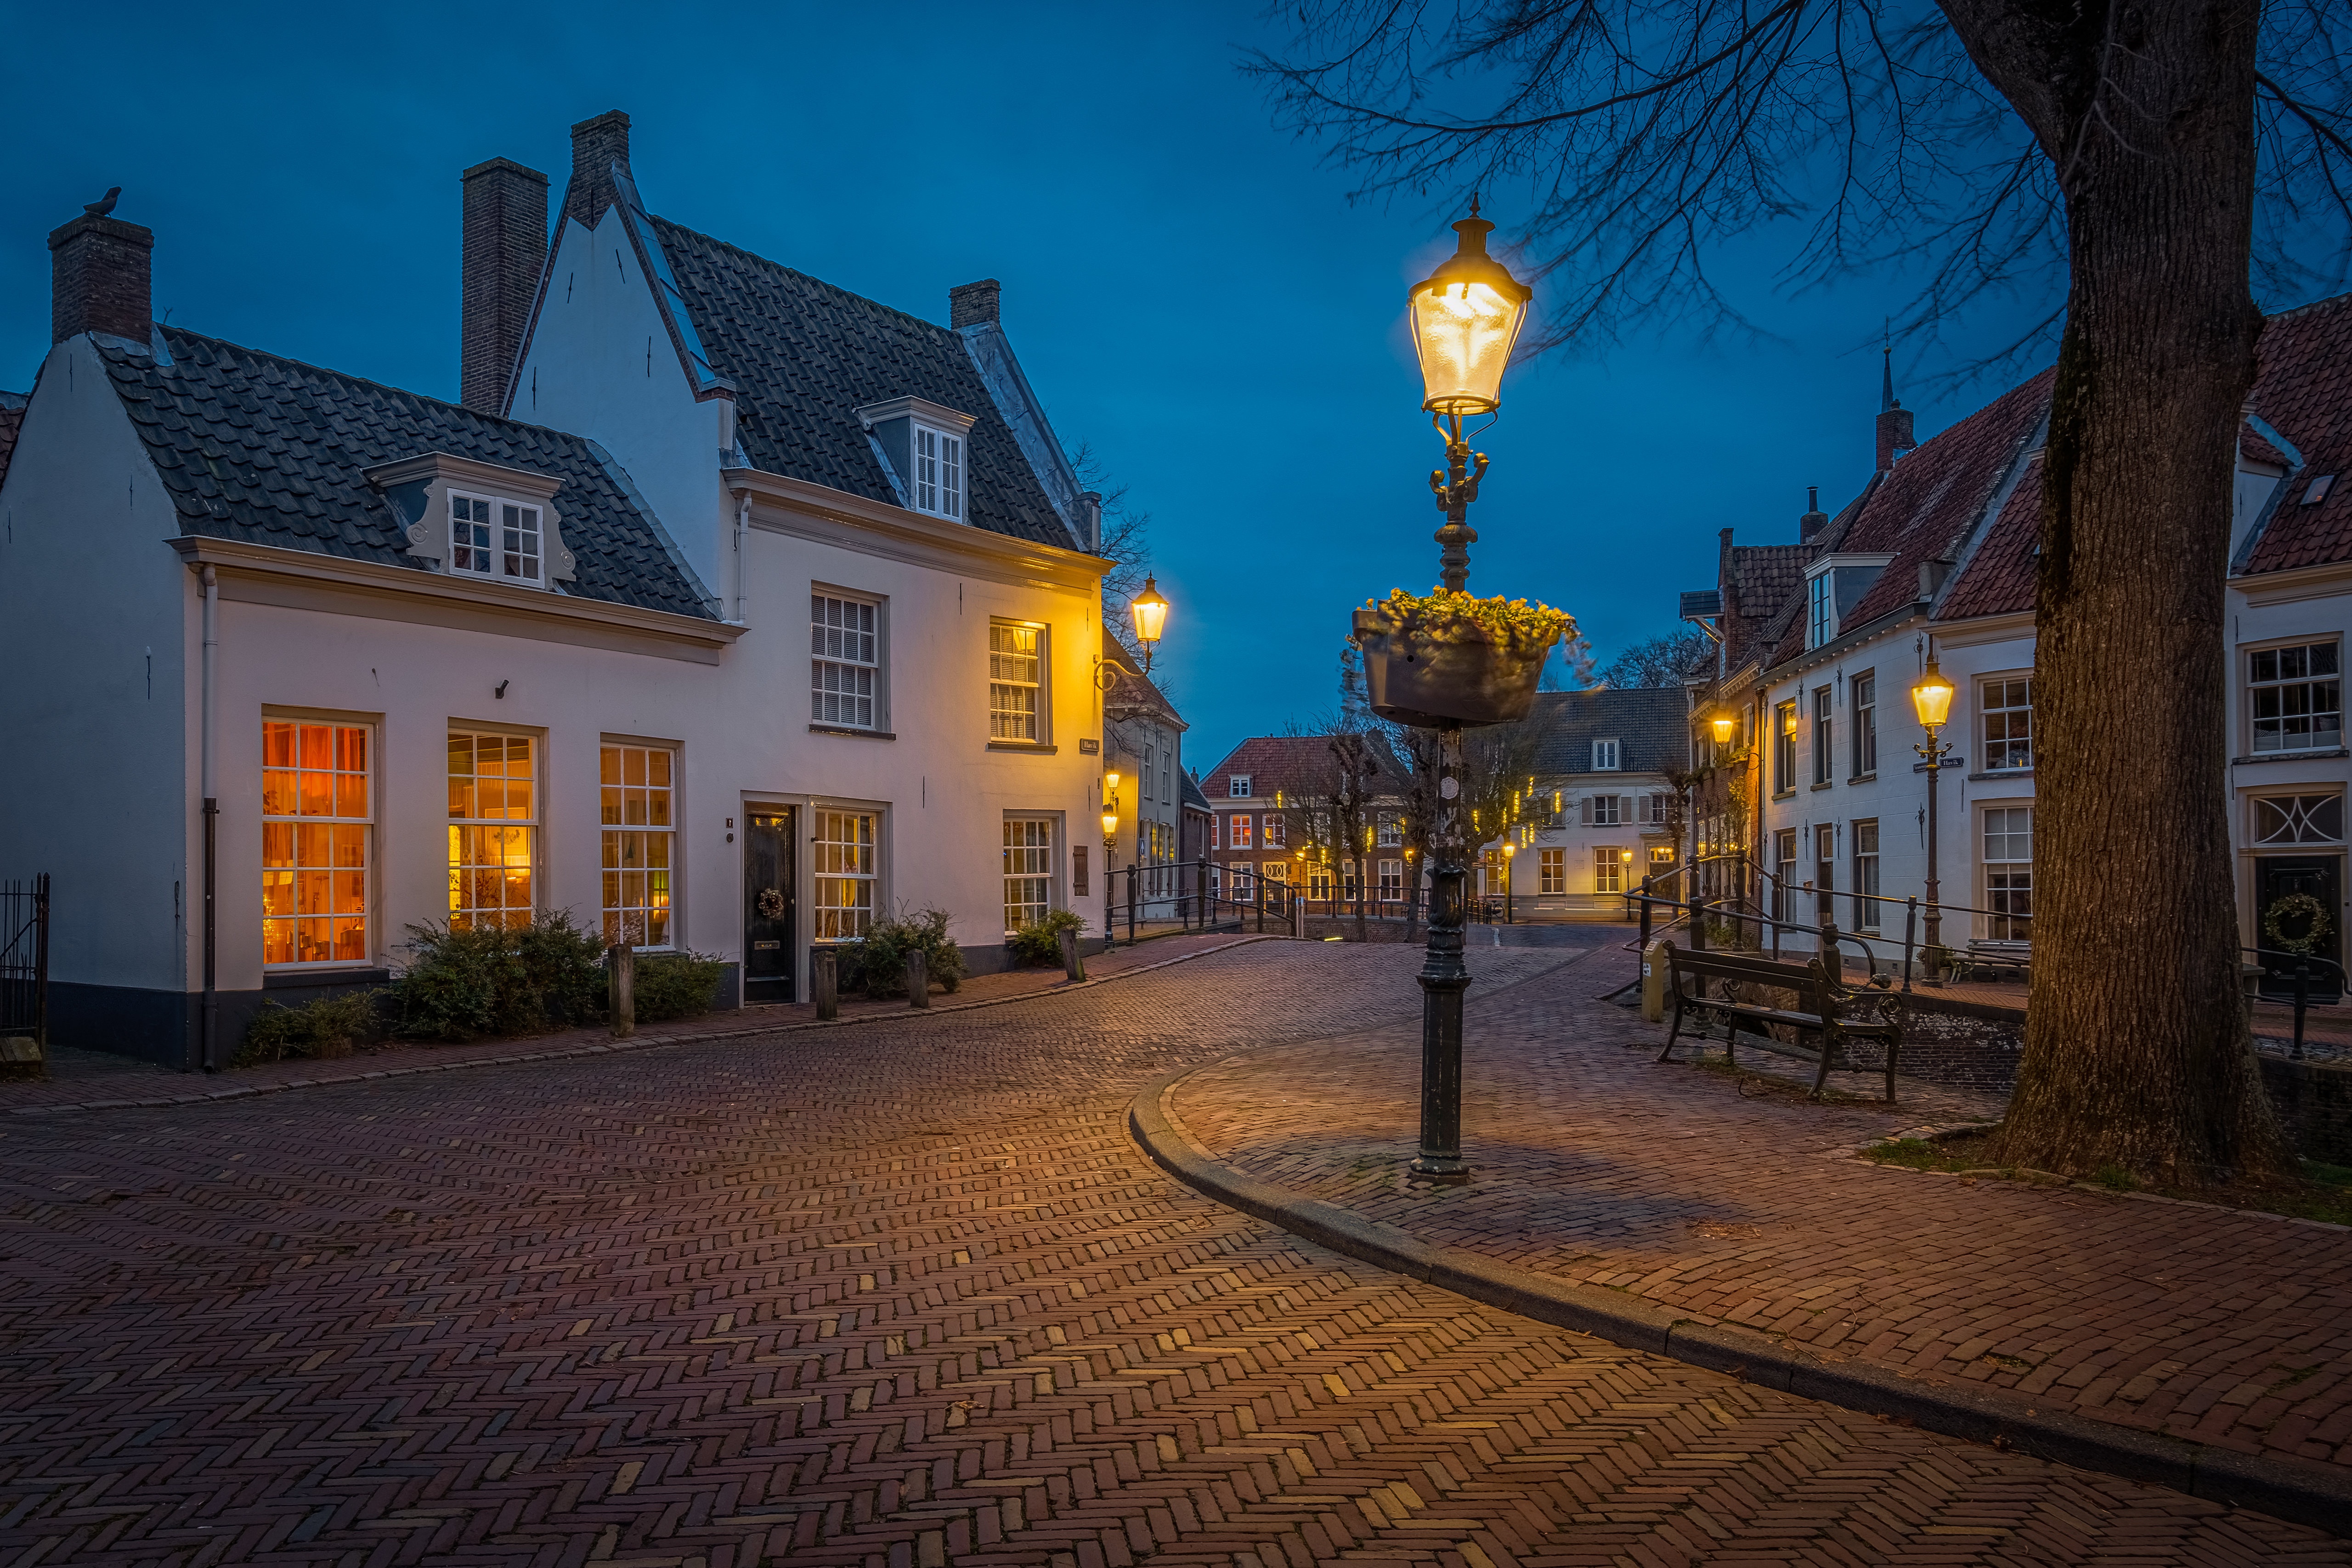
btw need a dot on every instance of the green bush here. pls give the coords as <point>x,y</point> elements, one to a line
<point>877,964</point>
<point>325,1026</point>
<point>487,980</point>
<point>675,985</point>
<point>1040,941</point>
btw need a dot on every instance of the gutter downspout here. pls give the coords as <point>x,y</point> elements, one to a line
<point>742,521</point>
<point>210,1048</point>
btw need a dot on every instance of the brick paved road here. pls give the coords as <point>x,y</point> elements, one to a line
<point>1603,1167</point>
<point>897,1295</point>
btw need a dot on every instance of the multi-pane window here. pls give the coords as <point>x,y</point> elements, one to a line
<point>637,785</point>
<point>1392,831</point>
<point>1784,864</point>
<point>1393,882</point>
<point>847,660</point>
<point>1349,887</point>
<point>1272,834</point>
<point>1167,766</point>
<point>1822,748</point>
<point>1237,785</point>
<point>1866,726</point>
<point>1603,811</point>
<point>2296,696</point>
<point>2009,871</point>
<point>1604,757</point>
<point>1239,833</point>
<point>1318,883</point>
<point>495,538</point>
<point>1662,855</point>
<point>1015,676</point>
<point>939,473</point>
<point>1551,872</point>
<point>1820,612</point>
<point>1028,870</point>
<point>2009,724</point>
<point>1865,875</point>
<point>843,883</point>
<point>493,830</point>
<point>1143,784</point>
<point>1824,872</point>
<point>1608,872</point>
<point>1784,746</point>
<point>1654,810</point>
<point>2299,820</point>
<point>315,816</point>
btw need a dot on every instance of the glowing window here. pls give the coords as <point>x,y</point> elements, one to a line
<point>317,814</point>
<point>640,827</point>
<point>1015,680</point>
<point>493,830</point>
<point>843,883</point>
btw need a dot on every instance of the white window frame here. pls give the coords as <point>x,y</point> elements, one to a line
<point>1862,690</point>
<point>1865,874</point>
<point>2001,755</point>
<point>342,831</point>
<point>1238,786</point>
<point>1820,610</point>
<point>857,877</point>
<point>628,919</point>
<point>1825,736</point>
<point>1608,869</point>
<point>938,486</point>
<point>2298,818</point>
<point>1029,837</point>
<point>509,524</point>
<point>1551,873</point>
<point>2005,926</point>
<point>1006,719</point>
<point>2314,739</point>
<point>835,646</point>
<point>1241,834</point>
<point>1605,757</point>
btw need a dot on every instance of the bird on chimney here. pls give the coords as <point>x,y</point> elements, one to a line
<point>104,204</point>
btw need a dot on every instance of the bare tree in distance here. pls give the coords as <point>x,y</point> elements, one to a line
<point>1665,660</point>
<point>1126,542</point>
<point>2158,161</point>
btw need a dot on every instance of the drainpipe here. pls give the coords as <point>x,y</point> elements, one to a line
<point>742,521</point>
<point>211,1038</point>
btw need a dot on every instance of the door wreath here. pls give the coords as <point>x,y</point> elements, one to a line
<point>2296,906</point>
<point>771,903</point>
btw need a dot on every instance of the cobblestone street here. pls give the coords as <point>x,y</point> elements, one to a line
<point>908,1294</point>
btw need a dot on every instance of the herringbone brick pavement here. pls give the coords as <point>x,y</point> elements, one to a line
<point>1600,1165</point>
<point>898,1296</point>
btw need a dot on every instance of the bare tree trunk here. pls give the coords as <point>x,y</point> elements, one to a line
<point>2136,1049</point>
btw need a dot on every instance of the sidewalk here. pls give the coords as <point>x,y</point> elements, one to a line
<point>1598,1167</point>
<point>92,1080</point>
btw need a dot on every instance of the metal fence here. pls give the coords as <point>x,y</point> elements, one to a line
<point>25,957</point>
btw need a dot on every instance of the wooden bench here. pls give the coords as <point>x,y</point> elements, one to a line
<point>2002,958</point>
<point>1824,1007</point>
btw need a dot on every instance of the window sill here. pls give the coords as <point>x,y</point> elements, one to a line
<point>316,974</point>
<point>851,731</point>
<point>1824,784</point>
<point>1784,794</point>
<point>1030,746</point>
<point>1998,774</point>
<point>1863,779</point>
<point>2290,756</point>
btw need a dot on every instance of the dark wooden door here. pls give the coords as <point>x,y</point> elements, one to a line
<point>2277,877</point>
<point>768,907</point>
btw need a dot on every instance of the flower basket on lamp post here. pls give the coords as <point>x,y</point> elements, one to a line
<point>1452,660</point>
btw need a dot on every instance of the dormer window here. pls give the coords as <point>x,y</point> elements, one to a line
<point>1237,785</point>
<point>939,473</point>
<point>490,536</point>
<point>1834,584</point>
<point>1821,612</point>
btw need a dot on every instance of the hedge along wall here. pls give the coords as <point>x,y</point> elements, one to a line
<point>2315,1100</point>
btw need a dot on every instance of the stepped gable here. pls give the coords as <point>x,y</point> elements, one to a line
<point>1651,726</point>
<point>1923,508</point>
<point>805,356</point>
<point>270,451</point>
<point>2303,390</point>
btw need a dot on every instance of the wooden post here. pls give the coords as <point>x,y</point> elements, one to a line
<point>825,972</point>
<point>621,980</point>
<point>1074,963</point>
<point>919,979</point>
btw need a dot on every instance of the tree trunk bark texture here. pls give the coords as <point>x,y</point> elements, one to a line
<point>2137,1054</point>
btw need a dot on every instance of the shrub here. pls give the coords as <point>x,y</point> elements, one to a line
<point>877,964</point>
<point>1040,941</point>
<point>489,980</point>
<point>324,1026</point>
<point>675,985</point>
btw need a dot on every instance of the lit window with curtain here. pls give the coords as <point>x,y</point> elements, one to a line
<point>1028,870</point>
<point>844,881</point>
<point>317,813</point>
<point>493,830</point>
<point>640,843</point>
<point>1016,675</point>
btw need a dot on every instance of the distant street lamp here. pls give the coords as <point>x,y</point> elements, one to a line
<point>1931,698</point>
<point>1467,317</point>
<point>1510,916</point>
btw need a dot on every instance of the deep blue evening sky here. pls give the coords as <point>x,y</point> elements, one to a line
<point>1187,286</point>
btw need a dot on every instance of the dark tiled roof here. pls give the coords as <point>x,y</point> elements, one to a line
<point>1651,728</point>
<point>1763,581</point>
<point>12,419</point>
<point>1290,763</point>
<point>2255,448</point>
<point>1137,687</point>
<point>269,450</point>
<point>806,355</point>
<point>1923,508</point>
<point>1193,799</point>
<point>1999,579</point>
<point>2303,391</point>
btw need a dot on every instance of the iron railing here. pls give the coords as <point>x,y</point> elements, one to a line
<point>25,958</point>
<point>1163,897</point>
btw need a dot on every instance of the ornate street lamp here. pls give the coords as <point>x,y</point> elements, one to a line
<point>1150,612</point>
<point>1931,699</point>
<point>1509,914</point>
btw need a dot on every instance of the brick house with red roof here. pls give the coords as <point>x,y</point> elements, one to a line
<point>1253,797</point>
<point>1818,795</point>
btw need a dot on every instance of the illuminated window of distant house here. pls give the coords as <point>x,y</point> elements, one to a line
<point>493,830</point>
<point>1015,680</point>
<point>1551,872</point>
<point>1608,871</point>
<point>843,883</point>
<point>1239,835</point>
<point>1273,835</point>
<point>316,816</point>
<point>640,838</point>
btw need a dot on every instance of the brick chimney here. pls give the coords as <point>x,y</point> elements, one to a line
<point>100,279</point>
<point>596,145</point>
<point>969,304</point>
<point>506,250</point>
<point>1815,519</point>
<point>1894,419</point>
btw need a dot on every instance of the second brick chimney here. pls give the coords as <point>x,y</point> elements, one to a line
<point>1815,519</point>
<point>596,145</point>
<point>969,304</point>
<point>100,273</point>
<point>506,250</point>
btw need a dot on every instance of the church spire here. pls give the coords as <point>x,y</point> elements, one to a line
<point>1894,419</point>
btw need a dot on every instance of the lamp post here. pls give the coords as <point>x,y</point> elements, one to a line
<point>1510,914</point>
<point>1932,699</point>
<point>1110,845</point>
<point>1465,318</point>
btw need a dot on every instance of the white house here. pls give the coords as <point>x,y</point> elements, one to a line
<point>729,611</point>
<point>1605,759</point>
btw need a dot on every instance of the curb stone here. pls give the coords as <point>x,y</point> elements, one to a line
<point>615,1047</point>
<point>2298,1490</point>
